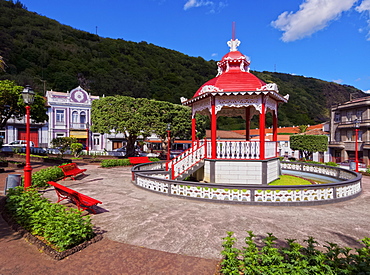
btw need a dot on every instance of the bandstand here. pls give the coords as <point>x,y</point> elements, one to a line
<point>233,92</point>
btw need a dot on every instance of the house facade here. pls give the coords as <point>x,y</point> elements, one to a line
<point>69,116</point>
<point>342,142</point>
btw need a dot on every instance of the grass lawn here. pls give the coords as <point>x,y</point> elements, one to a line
<point>290,180</point>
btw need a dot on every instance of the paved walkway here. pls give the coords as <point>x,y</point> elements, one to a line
<point>191,231</point>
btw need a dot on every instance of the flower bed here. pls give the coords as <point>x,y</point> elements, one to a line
<point>53,228</point>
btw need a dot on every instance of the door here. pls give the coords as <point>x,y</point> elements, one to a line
<point>34,136</point>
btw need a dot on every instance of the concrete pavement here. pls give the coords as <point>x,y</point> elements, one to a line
<point>195,228</point>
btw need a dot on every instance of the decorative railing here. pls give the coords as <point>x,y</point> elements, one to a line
<point>187,159</point>
<point>349,187</point>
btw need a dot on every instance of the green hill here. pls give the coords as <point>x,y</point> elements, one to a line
<point>40,51</point>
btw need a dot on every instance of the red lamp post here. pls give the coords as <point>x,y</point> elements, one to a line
<point>169,142</point>
<point>357,127</point>
<point>28,97</point>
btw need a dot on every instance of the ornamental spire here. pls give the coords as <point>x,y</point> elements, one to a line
<point>233,43</point>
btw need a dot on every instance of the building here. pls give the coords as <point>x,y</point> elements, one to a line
<point>69,116</point>
<point>342,143</point>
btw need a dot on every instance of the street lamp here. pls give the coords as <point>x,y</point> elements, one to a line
<point>28,97</point>
<point>357,127</point>
<point>169,141</point>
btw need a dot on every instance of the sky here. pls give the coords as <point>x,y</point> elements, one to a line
<point>324,39</point>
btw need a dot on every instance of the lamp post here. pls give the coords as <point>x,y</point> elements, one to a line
<point>169,141</point>
<point>357,127</point>
<point>28,97</point>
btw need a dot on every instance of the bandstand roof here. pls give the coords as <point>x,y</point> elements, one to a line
<point>234,78</point>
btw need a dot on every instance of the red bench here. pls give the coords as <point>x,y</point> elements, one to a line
<point>82,201</point>
<point>71,170</point>
<point>139,160</point>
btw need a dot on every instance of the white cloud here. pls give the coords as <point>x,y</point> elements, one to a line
<point>196,3</point>
<point>367,92</point>
<point>338,81</point>
<point>364,7</point>
<point>214,6</point>
<point>313,15</point>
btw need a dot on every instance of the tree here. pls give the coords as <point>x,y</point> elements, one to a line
<point>123,114</point>
<point>309,144</point>
<point>302,128</point>
<point>63,143</point>
<point>140,117</point>
<point>12,105</point>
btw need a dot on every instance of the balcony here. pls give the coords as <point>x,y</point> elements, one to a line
<point>78,126</point>
<point>336,144</point>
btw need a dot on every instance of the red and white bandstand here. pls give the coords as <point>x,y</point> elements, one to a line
<point>233,92</point>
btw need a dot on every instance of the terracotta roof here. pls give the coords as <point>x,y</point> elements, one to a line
<point>225,135</point>
<point>284,130</point>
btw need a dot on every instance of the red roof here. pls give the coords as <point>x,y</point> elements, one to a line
<point>232,81</point>
<point>233,75</point>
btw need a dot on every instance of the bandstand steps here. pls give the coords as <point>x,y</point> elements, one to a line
<point>191,170</point>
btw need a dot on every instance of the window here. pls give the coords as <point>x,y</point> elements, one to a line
<point>75,117</point>
<point>60,116</point>
<point>96,139</point>
<point>59,135</point>
<point>359,135</point>
<point>337,117</point>
<point>359,115</point>
<point>337,135</point>
<point>349,115</point>
<point>349,135</point>
<point>83,118</point>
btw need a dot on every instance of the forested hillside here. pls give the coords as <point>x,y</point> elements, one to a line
<point>40,51</point>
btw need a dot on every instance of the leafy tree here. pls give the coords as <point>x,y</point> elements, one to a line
<point>63,143</point>
<point>302,128</point>
<point>12,105</point>
<point>309,144</point>
<point>141,116</point>
<point>76,149</point>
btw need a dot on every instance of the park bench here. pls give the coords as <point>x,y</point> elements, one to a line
<point>82,201</point>
<point>139,160</point>
<point>71,170</point>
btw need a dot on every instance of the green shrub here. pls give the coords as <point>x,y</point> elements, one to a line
<point>41,178</point>
<point>330,163</point>
<point>293,259</point>
<point>115,162</point>
<point>76,149</point>
<point>62,228</point>
<point>154,159</point>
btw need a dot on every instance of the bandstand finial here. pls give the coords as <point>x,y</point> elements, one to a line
<point>233,43</point>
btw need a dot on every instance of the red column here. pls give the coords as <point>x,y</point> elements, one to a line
<point>213,130</point>
<point>28,168</point>
<point>193,129</point>
<point>247,123</point>
<point>262,129</point>
<point>274,129</point>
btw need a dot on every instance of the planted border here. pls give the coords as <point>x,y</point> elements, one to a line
<point>292,259</point>
<point>54,228</point>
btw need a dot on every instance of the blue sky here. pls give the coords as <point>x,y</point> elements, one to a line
<point>325,39</point>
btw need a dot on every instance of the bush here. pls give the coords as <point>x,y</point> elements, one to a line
<point>41,178</point>
<point>115,162</point>
<point>62,228</point>
<point>330,163</point>
<point>294,259</point>
<point>120,162</point>
<point>76,149</point>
